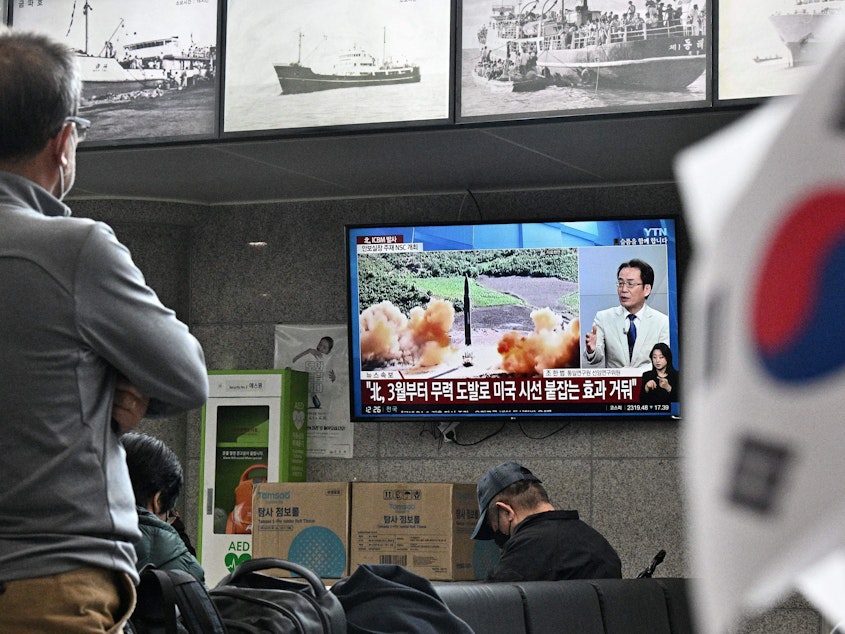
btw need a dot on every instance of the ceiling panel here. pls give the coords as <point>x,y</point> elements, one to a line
<point>516,155</point>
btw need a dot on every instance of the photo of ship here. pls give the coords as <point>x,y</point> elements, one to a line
<point>353,68</point>
<point>307,65</point>
<point>572,55</point>
<point>160,63</point>
<point>769,48</point>
<point>582,46</point>
<point>144,67</point>
<point>800,29</point>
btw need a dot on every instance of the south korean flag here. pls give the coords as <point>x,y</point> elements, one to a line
<point>763,431</point>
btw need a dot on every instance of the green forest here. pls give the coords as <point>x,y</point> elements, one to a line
<point>412,279</point>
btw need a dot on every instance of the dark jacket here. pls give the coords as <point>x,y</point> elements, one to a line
<point>556,545</point>
<point>659,396</point>
<point>162,546</point>
<point>382,598</point>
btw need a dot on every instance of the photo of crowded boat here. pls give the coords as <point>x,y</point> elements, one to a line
<point>532,46</point>
<point>352,68</point>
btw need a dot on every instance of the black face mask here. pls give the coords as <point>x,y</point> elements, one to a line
<point>500,538</point>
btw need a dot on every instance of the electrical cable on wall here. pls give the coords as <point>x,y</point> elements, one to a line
<point>481,440</point>
<point>446,432</point>
<point>527,435</point>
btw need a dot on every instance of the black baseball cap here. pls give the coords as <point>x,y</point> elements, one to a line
<point>496,480</point>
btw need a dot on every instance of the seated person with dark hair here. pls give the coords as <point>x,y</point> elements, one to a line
<point>156,476</point>
<point>538,542</point>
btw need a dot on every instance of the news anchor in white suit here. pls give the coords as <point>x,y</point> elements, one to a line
<point>623,336</point>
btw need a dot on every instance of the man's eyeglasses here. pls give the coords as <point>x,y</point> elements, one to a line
<point>81,124</point>
<point>621,283</point>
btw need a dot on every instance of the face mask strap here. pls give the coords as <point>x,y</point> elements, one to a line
<point>499,522</point>
<point>499,536</point>
<point>61,182</point>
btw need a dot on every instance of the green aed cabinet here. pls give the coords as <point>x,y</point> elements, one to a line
<point>253,430</point>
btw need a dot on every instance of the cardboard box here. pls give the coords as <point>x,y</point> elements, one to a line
<point>303,522</point>
<point>424,527</point>
<point>254,430</point>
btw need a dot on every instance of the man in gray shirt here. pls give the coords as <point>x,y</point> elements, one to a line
<point>87,349</point>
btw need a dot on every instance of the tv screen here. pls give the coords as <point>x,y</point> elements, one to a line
<point>453,322</point>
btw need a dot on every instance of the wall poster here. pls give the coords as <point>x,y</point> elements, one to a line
<point>149,68</point>
<point>321,350</point>
<point>332,63</point>
<point>553,58</point>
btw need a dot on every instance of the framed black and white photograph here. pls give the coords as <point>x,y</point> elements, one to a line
<point>768,48</point>
<point>293,65</point>
<point>536,58</point>
<point>149,68</point>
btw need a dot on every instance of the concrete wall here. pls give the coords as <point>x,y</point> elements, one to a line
<point>623,477</point>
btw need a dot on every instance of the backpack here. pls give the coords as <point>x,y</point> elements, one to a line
<point>249,601</point>
<point>173,602</point>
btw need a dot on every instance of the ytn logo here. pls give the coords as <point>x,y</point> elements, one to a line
<point>654,232</point>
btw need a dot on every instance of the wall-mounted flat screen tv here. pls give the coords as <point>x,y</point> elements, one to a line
<point>516,320</point>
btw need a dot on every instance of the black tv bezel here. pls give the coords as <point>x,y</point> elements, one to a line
<point>682,256</point>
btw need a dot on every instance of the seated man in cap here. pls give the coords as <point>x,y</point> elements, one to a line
<point>538,543</point>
